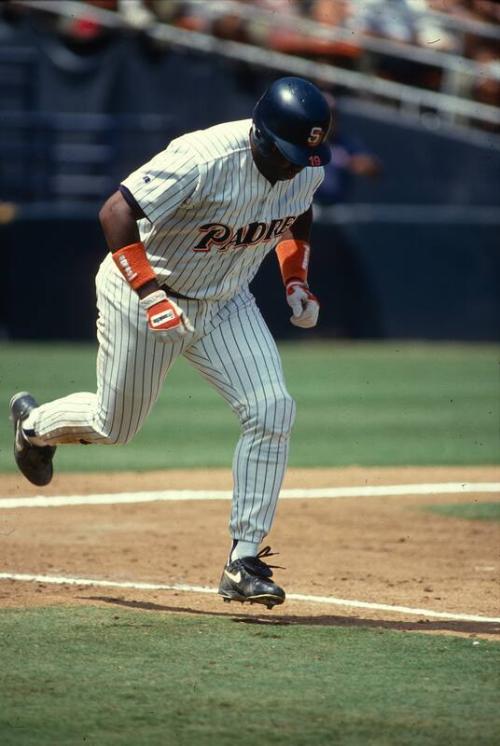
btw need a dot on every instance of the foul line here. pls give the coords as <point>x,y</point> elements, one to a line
<point>185,588</point>
<point>41,501</point>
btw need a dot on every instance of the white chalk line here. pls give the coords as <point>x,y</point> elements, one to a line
<point>172,495</point>
<point>42,501</point>
<point>186,588</point>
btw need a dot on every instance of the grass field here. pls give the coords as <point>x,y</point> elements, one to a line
<point>104,676</point>
<point>125,676</point>
<point>367,404</point>
<point>469,511</point>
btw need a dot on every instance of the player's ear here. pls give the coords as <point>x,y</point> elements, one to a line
<point>264,145</point>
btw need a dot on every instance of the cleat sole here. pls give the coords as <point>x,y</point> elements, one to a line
<point>265,600</point>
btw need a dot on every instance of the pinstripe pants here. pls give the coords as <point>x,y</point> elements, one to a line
<point>233,350</point>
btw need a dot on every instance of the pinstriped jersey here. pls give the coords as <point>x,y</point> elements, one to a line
<point>211,216</point>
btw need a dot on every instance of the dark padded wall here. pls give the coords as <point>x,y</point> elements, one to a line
<point>375,279</point>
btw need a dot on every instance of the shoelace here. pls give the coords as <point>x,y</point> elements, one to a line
<point>266,552</point>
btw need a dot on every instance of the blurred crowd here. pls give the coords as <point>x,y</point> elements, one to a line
<point>417,23</point>
<point>281,25</point>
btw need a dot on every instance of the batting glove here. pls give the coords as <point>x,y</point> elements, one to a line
<point>165,318</point>
<point>303,303</point>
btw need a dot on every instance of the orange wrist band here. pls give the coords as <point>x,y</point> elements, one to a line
<point>293,258</point>
<point>134,265</point>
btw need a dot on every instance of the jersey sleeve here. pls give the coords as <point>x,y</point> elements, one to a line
<point>319,177</point>
<point>164,183</point>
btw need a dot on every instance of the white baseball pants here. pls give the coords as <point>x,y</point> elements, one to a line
<point>233,350</point>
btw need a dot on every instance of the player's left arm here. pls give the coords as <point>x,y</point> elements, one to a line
<point>293,253</point>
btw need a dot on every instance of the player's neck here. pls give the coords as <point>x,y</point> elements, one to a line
<point>261,167</point>
<point>261,164</point>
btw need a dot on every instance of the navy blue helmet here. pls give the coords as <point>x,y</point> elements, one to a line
<point>294,116</point>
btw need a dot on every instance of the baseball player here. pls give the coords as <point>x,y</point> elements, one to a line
<point>186,234</point>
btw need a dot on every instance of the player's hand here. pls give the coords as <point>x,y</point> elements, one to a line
<point>165,318</point>
<point>303,303</point>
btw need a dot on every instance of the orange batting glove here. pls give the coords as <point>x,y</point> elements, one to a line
<point>303,303</point>
<point>165,318</point>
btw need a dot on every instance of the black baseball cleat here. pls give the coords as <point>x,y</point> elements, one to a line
<point>249,579</point>
<point>35,462</point>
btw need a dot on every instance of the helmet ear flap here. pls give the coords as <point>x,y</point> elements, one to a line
<point>264,144</point>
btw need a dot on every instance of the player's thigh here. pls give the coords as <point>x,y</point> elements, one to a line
<point>131,362</point>
<point>239,357</point>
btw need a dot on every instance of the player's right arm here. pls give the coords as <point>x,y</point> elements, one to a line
<point>152,192</point>
<point>118,217</point>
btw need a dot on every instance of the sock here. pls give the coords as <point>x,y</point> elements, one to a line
<point>29,433</point>
<point>29,422</point>
<point>243,549</point>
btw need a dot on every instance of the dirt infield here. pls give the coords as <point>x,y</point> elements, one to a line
<point>384,550</point>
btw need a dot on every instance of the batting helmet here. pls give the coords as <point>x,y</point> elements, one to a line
<point>294,115</point>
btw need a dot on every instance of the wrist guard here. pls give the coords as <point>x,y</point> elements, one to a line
<point>293,258</point>
<point>134,265</point>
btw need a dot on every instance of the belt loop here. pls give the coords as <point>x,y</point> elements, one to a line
<point>173,293</point>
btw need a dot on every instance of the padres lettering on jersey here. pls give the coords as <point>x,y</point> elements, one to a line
<point>211,215</point>
<point>224,237</point>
